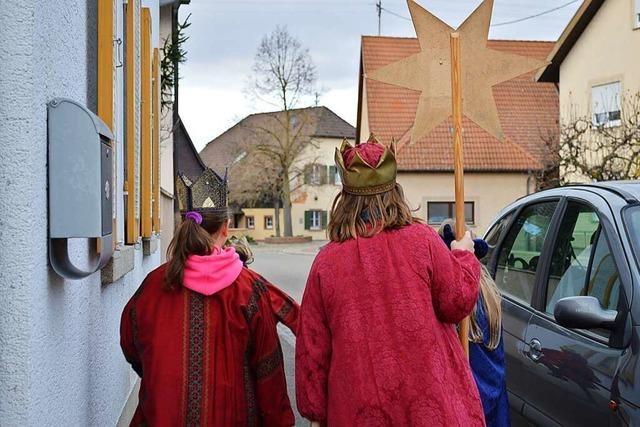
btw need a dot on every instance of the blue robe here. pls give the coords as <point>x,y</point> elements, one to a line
<point>488,367</point>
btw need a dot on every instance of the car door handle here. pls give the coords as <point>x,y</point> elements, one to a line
<point>535,350</point>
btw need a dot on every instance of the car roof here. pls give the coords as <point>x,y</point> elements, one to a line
<point>627,191</point>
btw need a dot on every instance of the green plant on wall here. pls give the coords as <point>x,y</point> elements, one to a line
<point>173,54</point>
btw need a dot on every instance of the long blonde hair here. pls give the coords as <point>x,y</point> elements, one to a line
<point>354,216</point>
<point>491,305</point>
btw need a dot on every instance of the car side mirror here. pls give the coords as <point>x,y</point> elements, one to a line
<point>584,312</point>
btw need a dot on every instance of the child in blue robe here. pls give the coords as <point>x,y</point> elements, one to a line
<point>486,347</point>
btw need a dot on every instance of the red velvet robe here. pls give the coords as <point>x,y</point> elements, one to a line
<point>376,344</point>
<point>208,360</point>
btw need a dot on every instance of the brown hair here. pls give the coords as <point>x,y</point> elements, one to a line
<point>191,239</point>
<point>491,304</point>
<point>354,216</point>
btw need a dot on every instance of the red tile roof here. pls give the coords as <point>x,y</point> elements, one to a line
<point>527,109</point>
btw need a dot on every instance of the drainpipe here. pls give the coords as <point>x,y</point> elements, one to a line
<point>529,176</point>
<point>176,115</point>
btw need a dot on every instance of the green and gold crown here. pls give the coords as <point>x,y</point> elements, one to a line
<point>361,178</point>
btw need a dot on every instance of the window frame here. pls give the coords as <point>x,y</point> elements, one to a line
<point>253,222</point>
<point>545,284</point>
<point>608,123</point>
<point>616,338</point>
<point>314,173</point>
<point>315,214</point>
<point>544,259</point>
<point>266,226</point>
<point>538,300</point>
<point>452,211</point>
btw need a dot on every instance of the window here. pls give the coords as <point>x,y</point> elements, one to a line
<point>582,263</point>
<point>315,220</point>
<point>251,222</point>
<point>334,176</point>
<point>605,104</point>
<point>438,212</point>
<point>315,174</point>
<point>519,255</point>
<point>493,237</point>
<point>636,14</point>
<point>632,221</point>
<point>268,222</point>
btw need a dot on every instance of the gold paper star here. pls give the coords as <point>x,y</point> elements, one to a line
<point>429,71</point>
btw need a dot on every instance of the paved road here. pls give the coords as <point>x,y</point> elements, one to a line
<point>287,267</point>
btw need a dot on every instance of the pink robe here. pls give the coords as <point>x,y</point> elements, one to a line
<point>376,344</point>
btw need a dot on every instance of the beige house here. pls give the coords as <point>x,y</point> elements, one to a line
<point>314,187</point>
<point>596,62</point>
<point>496,172</point>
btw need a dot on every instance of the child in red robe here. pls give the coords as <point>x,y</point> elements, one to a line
<point>201,333</point>
<point>377,343</point>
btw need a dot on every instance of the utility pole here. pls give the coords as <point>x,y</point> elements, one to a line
<point>379,8</point>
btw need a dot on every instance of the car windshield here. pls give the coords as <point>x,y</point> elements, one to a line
<point>632,218</point>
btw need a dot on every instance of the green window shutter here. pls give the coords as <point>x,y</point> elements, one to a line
<point>307,220</point>
<point>324,220</point>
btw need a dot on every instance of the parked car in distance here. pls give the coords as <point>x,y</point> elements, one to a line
<point>567,263</point>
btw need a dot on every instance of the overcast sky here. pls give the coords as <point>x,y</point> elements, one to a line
<point>224,36</point>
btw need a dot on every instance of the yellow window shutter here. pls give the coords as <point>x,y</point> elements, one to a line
<point>106,82</point>
<point>155,114</point>
<point>131,224</point>
<point>146,177</point>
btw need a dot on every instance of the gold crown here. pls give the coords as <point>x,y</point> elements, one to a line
<point>360,178</point>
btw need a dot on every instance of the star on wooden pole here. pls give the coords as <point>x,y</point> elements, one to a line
<point>429,71</point>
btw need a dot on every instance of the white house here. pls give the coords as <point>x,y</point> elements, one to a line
<point>60,360</point>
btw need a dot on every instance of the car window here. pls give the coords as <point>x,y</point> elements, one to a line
<point>582,262</point>
<point>632,220</point>
<point>519,255</point>
<point>493,237</point>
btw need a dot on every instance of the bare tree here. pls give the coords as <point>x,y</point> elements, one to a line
<point>610,150</point>
<point>284,74</point>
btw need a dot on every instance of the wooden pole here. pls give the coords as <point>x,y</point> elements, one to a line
<point>456,96</point>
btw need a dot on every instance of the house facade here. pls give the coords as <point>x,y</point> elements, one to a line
<point>496,172</point>
<point>61,360</point>
<point>595,62</point>
<point>315,182</point>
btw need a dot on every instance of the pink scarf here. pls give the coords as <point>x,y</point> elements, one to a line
<point>211,273</point>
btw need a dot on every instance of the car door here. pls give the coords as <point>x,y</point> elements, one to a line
<point>514,261</point>
<point>570,372</point>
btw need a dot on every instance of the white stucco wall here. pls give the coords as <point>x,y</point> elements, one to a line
<point>490,192</point>
<point>60,361</point>
<point>606,52</point>
<point>315,197</point>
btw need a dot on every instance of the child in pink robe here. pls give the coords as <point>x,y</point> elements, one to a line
<point>377,344</point>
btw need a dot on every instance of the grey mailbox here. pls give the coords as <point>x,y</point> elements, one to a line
<point>80,186</point>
